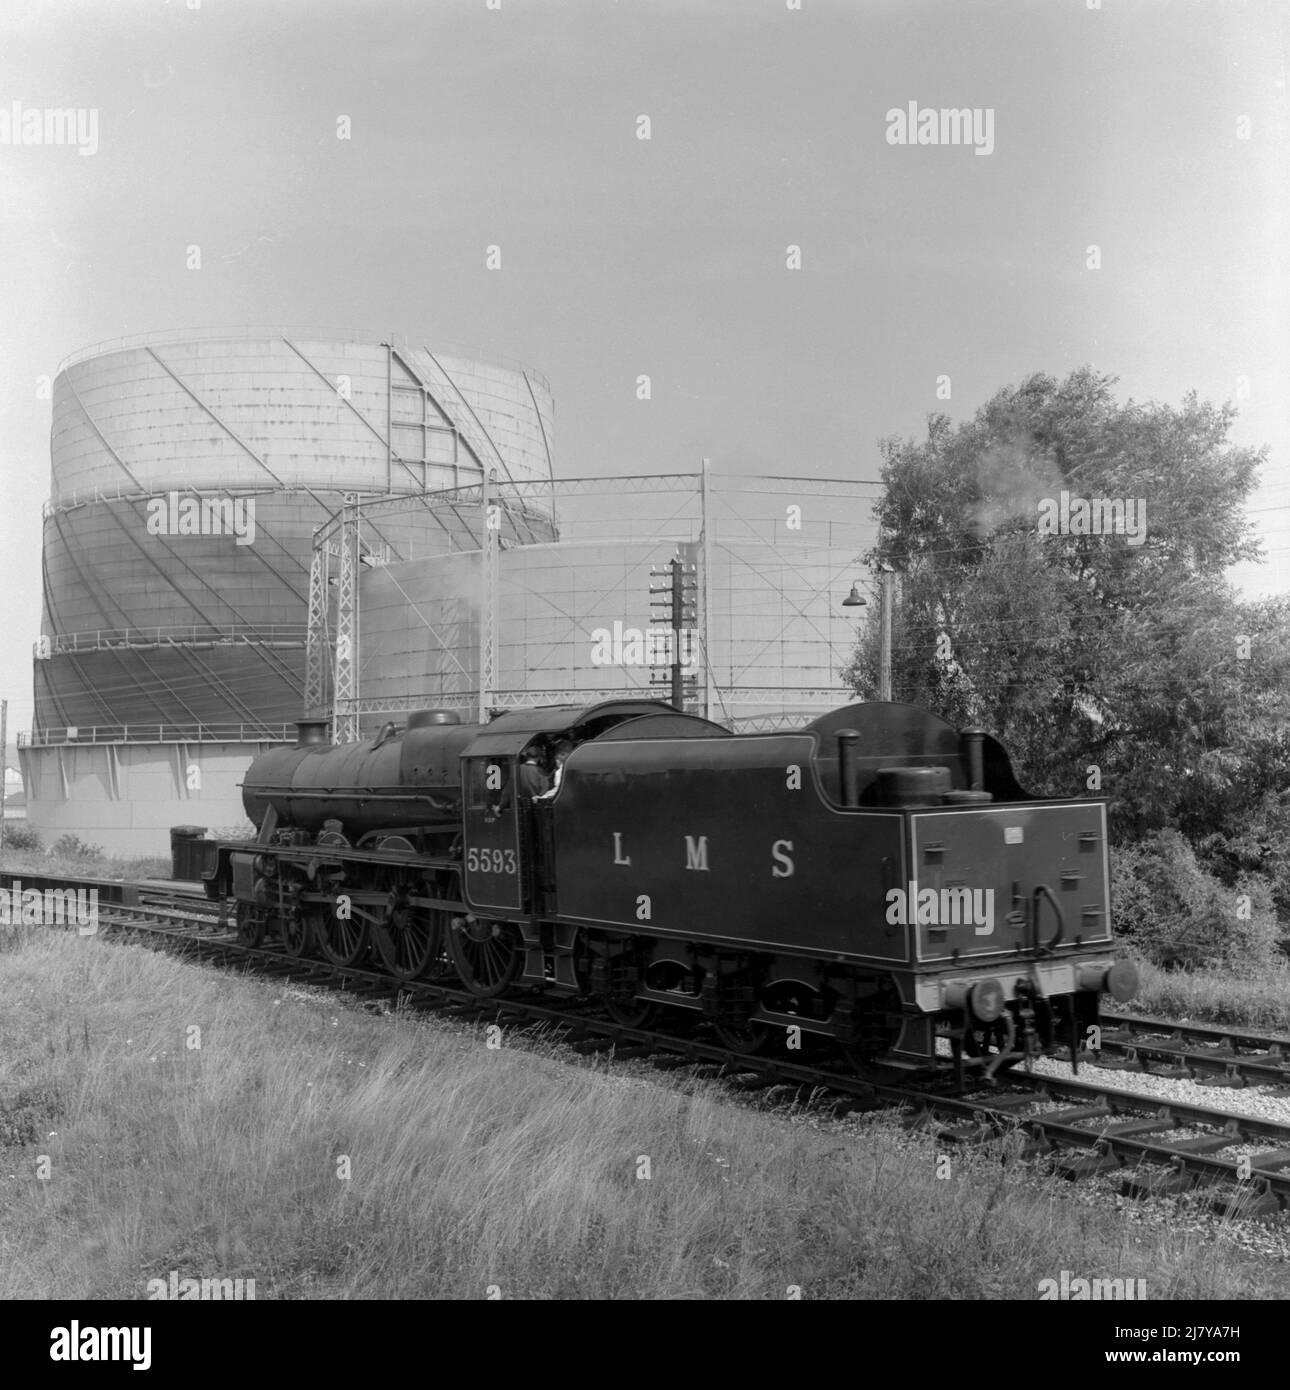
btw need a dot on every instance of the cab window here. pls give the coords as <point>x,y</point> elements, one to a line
<point>487,782</point>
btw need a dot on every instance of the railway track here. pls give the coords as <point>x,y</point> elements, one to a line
<point>1084,1127</point>
<point>1210,1055</point>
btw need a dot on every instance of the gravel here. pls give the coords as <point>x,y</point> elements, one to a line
<point>1258,1102</point>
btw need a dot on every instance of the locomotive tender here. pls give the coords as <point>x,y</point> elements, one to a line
<point>876,878</point>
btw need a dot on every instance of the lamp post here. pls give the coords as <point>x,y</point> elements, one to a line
<point>884,650</point>
<point>854,600</point>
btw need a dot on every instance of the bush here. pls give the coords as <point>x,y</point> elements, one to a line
<point>1262,847</point>
<point>73,847</point>
<point>1176,913</point>
<point>19,835</point>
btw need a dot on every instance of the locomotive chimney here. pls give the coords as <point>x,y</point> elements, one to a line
<point>972,753</point>
<point>847,770</point>
<point>310,731</point>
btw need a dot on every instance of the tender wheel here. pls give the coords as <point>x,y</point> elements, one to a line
<point>410,940</point>
<point>862,1057</point>
<point>250,924</point>
<point>755,1038</point>
<point>632,1013</point>
<point>487,955</point>
<point>877,1030</point>
<point>749,1038</point>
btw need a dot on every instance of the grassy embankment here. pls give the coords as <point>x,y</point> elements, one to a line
<point>470,1167</point>
<point>1255,1000</point>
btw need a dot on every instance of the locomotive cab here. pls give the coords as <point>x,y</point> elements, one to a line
<point>503,830</point>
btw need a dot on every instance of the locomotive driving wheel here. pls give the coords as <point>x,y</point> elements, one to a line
<point>344,940</point>
<point>410,939</point>
<point>487,955</point>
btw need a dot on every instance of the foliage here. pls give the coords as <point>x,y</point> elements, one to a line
<point>1258,842</point>
<point>1127,670</point>
<point>73,847</point>
<point>1176,913</point>
<point>20,835</point>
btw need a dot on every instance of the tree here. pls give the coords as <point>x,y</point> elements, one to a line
<point>1105,661</point>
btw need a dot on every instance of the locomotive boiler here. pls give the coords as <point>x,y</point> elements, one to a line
<point>876,882</point>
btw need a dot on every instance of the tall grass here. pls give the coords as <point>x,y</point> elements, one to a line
<point>329,1152</point>
<point>1246,999</point>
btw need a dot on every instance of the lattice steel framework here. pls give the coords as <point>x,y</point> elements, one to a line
<point>492,525</point>
<point>499,610</point>
<point>317,646</point>
<point>345,679</point>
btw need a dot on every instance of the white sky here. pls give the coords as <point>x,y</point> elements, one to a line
<point>1115,126</point>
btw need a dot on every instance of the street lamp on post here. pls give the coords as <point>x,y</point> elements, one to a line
<point>854,600</point>
<point>884,659</point>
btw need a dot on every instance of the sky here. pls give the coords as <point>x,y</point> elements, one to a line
<point>1155,131</point>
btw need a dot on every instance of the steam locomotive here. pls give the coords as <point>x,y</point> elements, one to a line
<point>872,882</point>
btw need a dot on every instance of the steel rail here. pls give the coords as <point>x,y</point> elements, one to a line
<point>1221,1034</point>
<point>1209,1054</point>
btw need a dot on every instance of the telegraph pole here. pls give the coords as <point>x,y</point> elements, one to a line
<point>679,603</point>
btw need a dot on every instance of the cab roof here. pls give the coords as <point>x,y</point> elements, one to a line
<point>511,731</point>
